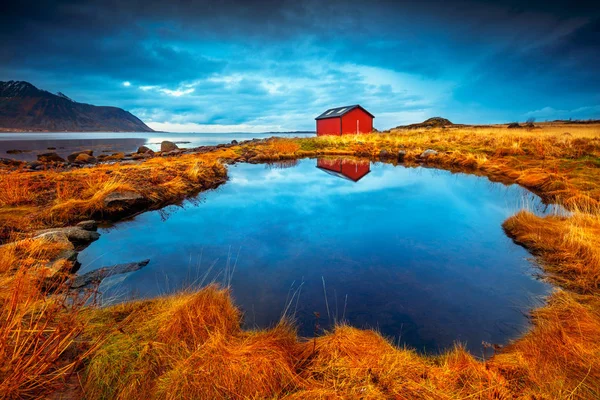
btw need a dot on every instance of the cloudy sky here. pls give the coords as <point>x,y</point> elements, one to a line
<point>235,65</point>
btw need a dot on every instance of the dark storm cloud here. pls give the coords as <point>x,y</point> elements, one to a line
<point>193,61</point>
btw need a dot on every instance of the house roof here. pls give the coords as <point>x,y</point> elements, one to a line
<point>339,111</point>
<point>342,175</point>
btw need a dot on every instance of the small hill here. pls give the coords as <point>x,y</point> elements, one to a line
<point>24,107</point>
<point>435,122</point>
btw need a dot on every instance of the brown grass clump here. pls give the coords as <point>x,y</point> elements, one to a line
<point>254,365</point>
<point>197,317</point>
<point>38,333</point>
<point>560,357</point>
<point>189,345</point>
<point>16,189</point>
<point>361,363</point>
<point>568,247</point>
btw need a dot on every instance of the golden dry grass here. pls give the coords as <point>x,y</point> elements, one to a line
<point>188,345</point>
<point>191,345</point>
<point>54,198</point>
<point>38,332</point>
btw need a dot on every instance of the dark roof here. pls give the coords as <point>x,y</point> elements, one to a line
<point>339,111</point>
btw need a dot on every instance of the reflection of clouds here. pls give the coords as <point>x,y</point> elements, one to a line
<point>307,187</point>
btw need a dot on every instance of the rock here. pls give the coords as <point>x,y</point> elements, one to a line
<point>96,276</point>
<point>144,149</point>
<point>69,255</point>
<point>383,154</point>
<point>427,153</point>
<point>234,142</point>
<point>50,157</point>
<point>17,151</point>
<point>58,270</point>
<point>513,125</point>
<point>123,199</point>
<point>168,146</point>
<point>115,156</point>
<point>401,155</point>
<point>73,156</point>
<point>78,235</point>
<point>89,225</point>
<point>34,164</point>
<point>51,148</point>
<point>11,162</point>
<point>142,156</point>
<point>85,159</point>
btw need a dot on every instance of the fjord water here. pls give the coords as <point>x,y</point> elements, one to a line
<point>64,143</point>
<point>418,254</point>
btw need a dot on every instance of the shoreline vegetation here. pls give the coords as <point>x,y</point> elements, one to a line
<point>190,344</point>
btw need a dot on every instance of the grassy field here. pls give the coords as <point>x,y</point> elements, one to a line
<point>190,344</point>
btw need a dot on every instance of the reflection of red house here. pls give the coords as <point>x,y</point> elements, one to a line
<point>345,121</point>
<point>353,170</point>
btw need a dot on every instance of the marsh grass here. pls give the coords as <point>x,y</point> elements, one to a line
<point>56,198</point>
<point>39,330</point>
<point>191,344</point>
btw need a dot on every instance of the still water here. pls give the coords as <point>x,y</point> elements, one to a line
<point>418,254</point>
<point>65,143</point>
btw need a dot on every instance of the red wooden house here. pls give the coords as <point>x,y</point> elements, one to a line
<point>350,169</point>
<point>347,120</point>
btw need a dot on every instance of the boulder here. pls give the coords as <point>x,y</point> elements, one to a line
<point>69,255</point>
<point>89,225</point>
<point>123,199</point>
<point>427,153</point>
<point>384,154</point>
<point>50,157</point>
<point>144,149</point>
<point>79,235</point>
<point>168,146</point>
<point>172,153</point>
<point>17,151</point>
<point>34,164</point>
<point>234,142</point>
<point>115,156</point>
<point>71,234</point>
<point>513,125</point>
<point>85,159</point>
<point>58,270</point>
<point>401,155</point>
<point>73,156</point>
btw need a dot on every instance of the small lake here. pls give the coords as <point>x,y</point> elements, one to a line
<point>418,254</point>
<point>65,143</point>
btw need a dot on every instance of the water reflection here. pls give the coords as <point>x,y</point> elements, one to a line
<point>417,253</point>
<point>346,168</point>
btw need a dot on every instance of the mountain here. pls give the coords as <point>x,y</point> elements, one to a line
<point>25,108</point>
